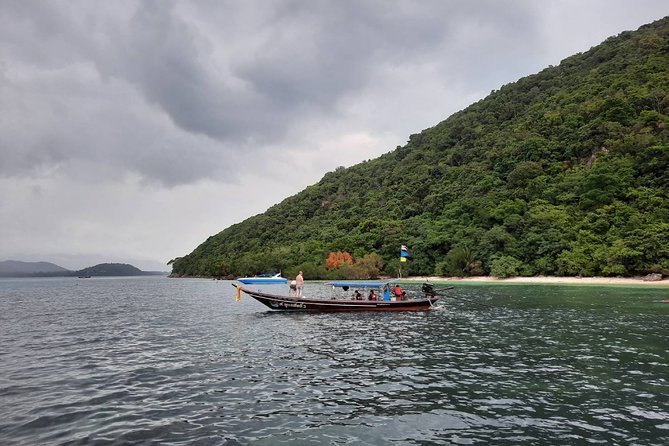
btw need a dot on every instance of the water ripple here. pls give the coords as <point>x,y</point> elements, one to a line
<point>158,361</point>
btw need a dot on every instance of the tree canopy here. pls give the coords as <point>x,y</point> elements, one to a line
<point>564,172</point>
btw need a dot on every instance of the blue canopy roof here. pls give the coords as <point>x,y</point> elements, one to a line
<point>360,284</point>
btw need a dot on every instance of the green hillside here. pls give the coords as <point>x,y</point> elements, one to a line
<point>15,268</point>
<point>111,269</point>
<point>565,172</point>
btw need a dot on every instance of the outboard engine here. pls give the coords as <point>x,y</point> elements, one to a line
<point>428,289</point>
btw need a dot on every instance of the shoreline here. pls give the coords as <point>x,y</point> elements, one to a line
<point>542,280</point>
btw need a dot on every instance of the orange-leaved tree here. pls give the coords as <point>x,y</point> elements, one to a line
<point>336,259</point>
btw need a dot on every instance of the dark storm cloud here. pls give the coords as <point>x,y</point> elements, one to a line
<point>164,57</point>
<point>296,60</point>
<point>314,53</point>
<point>178,91</point>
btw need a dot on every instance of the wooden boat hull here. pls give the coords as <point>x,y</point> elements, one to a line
<point>285,303</point>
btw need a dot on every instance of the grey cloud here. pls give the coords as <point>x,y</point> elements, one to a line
<point>315,53</point>
<point>159,53</point>
<point>311,54</point>
<point>177,91</point>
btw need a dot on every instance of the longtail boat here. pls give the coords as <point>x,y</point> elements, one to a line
<point>385,300</point>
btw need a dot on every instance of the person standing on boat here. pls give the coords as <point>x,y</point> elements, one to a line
<point>299,280</point>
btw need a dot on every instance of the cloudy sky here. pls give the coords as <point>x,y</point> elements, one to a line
<point>130,131</point>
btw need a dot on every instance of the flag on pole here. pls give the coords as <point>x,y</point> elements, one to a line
<point>404,253</point>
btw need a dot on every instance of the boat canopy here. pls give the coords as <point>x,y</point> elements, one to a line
<point>360,284</point>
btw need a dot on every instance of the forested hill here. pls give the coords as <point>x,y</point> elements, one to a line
<point>565,172</point>
<point>12,268</point>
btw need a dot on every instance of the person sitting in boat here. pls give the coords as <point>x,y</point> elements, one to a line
<point>372,295</point>
<point>357,295</point>
<point>397,292</point>
<point>404,296</point>
<point>293,288</point>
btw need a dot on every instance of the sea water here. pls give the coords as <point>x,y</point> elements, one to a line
<point>154,360</point>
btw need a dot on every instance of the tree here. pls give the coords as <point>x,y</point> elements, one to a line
<point>369,266</point>
<point>505,266</point>
<point>337,259</point>
<point>459,261</point>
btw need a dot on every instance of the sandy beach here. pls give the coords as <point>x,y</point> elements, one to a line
<point>545,280</point>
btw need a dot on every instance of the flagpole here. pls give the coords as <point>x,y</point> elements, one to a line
<point>403,255</point>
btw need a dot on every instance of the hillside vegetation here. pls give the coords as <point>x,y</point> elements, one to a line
<point>12,268</point>
<point>565,172</point>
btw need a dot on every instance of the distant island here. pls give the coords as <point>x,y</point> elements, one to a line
<point>14,268</point>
